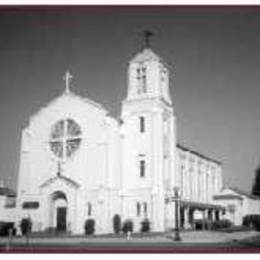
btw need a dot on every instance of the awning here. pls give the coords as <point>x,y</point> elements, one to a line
<point>201,206</point>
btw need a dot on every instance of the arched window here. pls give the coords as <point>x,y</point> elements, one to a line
<point>199,184</point>
<point>145,208</point>
<point>141,80</point>
<point>207,186</point>
<point>143,84</point>
<point>142,124</point>
<point>142,168</point>
<point>213,182</point>
<point>138,209</point>
<point>182,179</point>
<point>89,209</point>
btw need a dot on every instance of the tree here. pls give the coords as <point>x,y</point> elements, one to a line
<point>256,185</point>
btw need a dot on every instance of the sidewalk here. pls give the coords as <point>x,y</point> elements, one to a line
<point>187,237</point>
<point>215,237</point>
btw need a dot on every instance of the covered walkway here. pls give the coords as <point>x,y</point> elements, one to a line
<point>195,215</point>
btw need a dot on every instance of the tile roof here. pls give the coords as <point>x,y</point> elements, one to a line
<point>198,154</point>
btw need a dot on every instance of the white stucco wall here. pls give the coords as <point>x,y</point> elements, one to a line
<point>199,178</point>
<point>243,204</point>
<point>94,166</point>
<point>105,170</point>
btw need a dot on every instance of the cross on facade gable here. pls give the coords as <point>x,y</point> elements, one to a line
<point>59,169</point>
<point>67,78</point>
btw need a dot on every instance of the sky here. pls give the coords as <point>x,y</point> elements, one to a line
<point>213,56</point>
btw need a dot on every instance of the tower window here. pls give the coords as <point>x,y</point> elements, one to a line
<point>138,71</point>
<point>142,124</point>
<point>142,168</point>
<point>138,209</point>
<point>145,208</point>
<point>89,209</point>
<point>141,79</point>
<point>182,178</point>
<point>144,88</point>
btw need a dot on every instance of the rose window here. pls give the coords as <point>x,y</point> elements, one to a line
<point>65,138</point>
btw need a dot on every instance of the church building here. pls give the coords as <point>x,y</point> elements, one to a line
<point>79,163</point>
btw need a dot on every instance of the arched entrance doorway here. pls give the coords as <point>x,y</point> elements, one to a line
<point>59,211</point>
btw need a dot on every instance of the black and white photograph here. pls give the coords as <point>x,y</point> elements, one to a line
<point>129,129</point>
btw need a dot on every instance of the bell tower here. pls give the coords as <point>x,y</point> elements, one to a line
<point>148,77</point>
<point>148,138</point>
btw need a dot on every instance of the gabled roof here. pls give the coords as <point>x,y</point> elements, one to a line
<point>201,205</point>
<point>185,149</point>
<point>244,193</point>
<point>74,96</point>
<point>4,191</point>
<point>234,193</point>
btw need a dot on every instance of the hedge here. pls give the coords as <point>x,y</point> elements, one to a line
<point>89,226</point>
<point>117,223</point>
<point>208,224</point>
<point>128,226</point>
<point>145,225</point>
<point>219,224</point>
<point>252,220</point>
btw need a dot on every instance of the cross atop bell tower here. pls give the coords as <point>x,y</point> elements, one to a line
<point>67,78</point>
<point>147,35</point>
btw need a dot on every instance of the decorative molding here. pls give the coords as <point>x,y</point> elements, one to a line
<point>67,180</point>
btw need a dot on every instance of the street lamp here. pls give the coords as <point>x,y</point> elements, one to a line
<point>176,198</point>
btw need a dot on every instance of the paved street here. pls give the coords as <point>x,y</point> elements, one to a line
<point>191,242</point>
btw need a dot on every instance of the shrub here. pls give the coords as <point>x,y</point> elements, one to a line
<point>5,227</point>
<point>117,223</point>
<point>145,225</point>
<point>26,226</point>
<point>128,226</point>
<point>223,223</point>
<point>252,221</point>
<point>247,221</point>
<point>89,226</point>
<point>202,224</point>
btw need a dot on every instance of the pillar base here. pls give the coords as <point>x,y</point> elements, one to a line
<point>176,236</point>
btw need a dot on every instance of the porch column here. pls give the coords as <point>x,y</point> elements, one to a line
<point>213,215</point>
<point>196,211</point>
<point>182,217</point>
<point>210,218</point>
<point>191,218</point>
<point>186,218</point>
<point>217,214</point>
<point>223,212</point>
<point>205,218</point>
